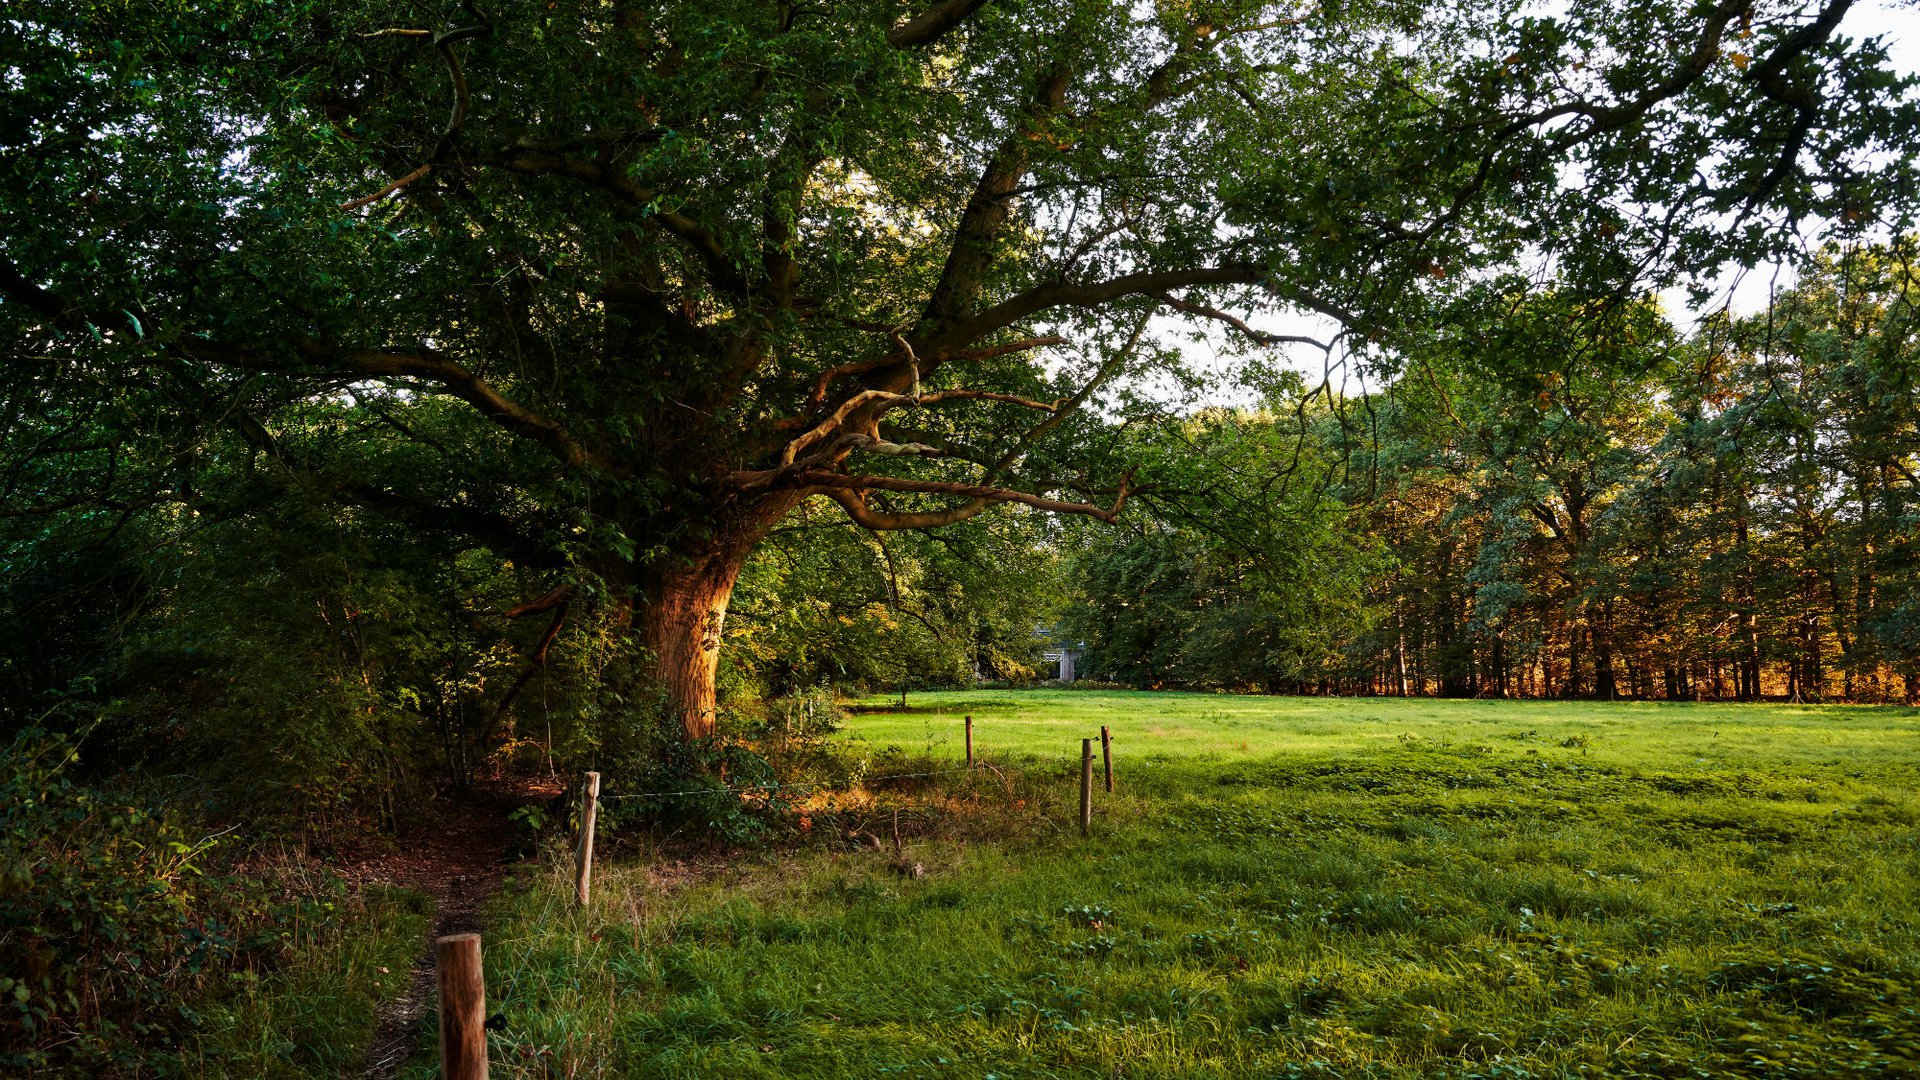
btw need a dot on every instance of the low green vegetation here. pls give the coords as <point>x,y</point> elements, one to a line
<point>314,1015</point>
<point>134,941</point>
<point>1668,735</point>
<point>1350,889</point>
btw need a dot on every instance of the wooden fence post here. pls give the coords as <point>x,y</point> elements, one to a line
<point>969,742</point>
<point>463,1007</point>
<point>1106,755</point>
<point>583,849</point>
<point>1086,786</point>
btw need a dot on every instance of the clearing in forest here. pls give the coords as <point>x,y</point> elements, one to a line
<point>1279,887</point>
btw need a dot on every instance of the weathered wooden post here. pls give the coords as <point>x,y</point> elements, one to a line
<point>969,742</point>
<point>463,1007</point>
<point>583,849</point>
<point>1086,786</point>
<point>1106,756</point>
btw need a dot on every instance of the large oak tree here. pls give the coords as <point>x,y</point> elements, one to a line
<point>683,266</point>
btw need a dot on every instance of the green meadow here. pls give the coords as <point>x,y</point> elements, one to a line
<point>1155,726</point>
<point>1278,888</point>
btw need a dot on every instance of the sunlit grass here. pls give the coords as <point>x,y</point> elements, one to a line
<point>1051,723</point>
<point>1368,889</point>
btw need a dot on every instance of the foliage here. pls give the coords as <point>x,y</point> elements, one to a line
<point>1577,500</point>
<point>1245,573</point>
<point>825,603</point>
<point>313,1014</point>
<point>1592,504</point>
<point>800,723</point>
<point>124,936</point>
<point>604,294</point>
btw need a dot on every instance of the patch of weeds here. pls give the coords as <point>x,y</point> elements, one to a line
<point>1232,943</point>
<point>1088,915</point>
<point>1094,945</point>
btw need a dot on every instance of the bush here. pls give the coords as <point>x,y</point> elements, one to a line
<point>113,920</point>
<point>798,724</point>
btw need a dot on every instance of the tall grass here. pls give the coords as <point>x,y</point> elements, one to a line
<point>314,1015</point>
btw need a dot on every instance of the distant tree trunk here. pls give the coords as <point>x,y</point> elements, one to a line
<point>1576,638</point>
<point>1749,669</point>
<point>1400,650</point>
<point>1602,630</point>
<point>1811,675</point>
<point>1842,634</point>
<point>1498,663</point>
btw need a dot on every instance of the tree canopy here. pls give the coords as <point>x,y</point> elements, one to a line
<point>595,295</point>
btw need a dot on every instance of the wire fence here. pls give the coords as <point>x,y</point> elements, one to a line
<point>809,785</point>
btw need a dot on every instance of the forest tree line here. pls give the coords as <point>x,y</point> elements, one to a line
<point>1590,503</point>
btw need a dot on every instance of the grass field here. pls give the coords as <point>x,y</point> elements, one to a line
<point>1160,726</point>
<point>1280,888</point>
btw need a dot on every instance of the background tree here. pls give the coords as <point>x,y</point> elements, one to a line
<point>826,603</point>
<point>1242,570</point>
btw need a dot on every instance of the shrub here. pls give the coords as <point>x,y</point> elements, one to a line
<point>113,919</point>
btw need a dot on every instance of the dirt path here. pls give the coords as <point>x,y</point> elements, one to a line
<point>458,857</point>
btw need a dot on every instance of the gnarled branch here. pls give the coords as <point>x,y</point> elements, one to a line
<point>850,493</point>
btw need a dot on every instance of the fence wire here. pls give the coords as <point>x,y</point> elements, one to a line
<point>807,785</point>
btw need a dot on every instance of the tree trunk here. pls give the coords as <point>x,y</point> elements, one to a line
<point>1399,649</point>
<point>681,609</point>
<point>680,617</point>
<point>1601,629</point>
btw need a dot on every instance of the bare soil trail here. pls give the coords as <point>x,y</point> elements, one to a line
<point>458,855</point>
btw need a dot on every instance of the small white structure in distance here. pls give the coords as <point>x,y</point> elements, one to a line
<point>1067,657</point>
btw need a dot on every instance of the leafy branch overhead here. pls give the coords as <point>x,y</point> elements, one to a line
<point>685,266</point>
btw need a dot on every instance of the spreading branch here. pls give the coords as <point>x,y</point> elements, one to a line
<point>851,493</point>
<point>932,24</point>
<point>388,190</point>
<point>1258,337</point>
<point>877,402</point>
<point>451,375</point>
<point>971,254</point>
<point>821,385</point>
<point>443,42</point>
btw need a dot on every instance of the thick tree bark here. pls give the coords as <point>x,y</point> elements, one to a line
<point>680,618</point>
<point>681,611</point>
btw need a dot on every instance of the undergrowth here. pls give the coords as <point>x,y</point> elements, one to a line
<point>137,941</point>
